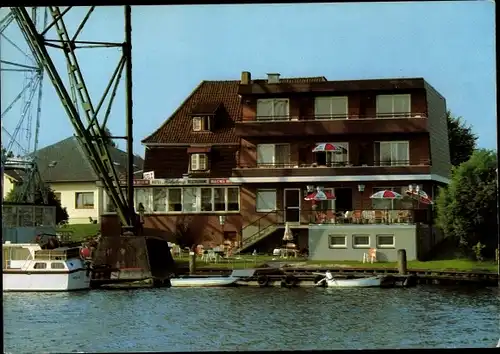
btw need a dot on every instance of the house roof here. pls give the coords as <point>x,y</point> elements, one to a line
<point>16,175</point>
<point>66,161</point>
<point>178,128</point>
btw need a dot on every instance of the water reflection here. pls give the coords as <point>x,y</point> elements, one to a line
<point>251,319</point>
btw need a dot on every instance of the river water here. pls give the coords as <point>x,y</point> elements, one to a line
<point>250,319</point>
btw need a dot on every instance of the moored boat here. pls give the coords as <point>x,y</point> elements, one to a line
<point>197,282</point>
<point>369,282</point>
<point>28,267</point>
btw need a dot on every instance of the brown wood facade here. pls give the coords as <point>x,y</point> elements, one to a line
<point>425,129</point>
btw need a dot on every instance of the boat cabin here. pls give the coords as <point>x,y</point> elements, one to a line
<point>33,257</point>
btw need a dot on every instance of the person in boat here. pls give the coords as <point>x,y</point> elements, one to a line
<point>328,275</point>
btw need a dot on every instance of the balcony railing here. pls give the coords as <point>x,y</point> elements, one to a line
<point>328,117</point>
<point>335,164</point>
<point>367,216</point>
<point>337,216</point>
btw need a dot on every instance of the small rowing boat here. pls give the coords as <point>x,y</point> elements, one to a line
<point>202,282</point>
<point>369,282</point>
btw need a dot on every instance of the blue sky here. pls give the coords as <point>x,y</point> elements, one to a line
<point>450,44</point>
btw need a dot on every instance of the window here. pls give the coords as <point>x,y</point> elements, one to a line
<point>57,195</point>
<point>199,162</point>
<point>361,241</point>
<point>175,199</point>
<point>265,200</point>
<point>392,153</point>
<point>233,199</point>
<point>206,199</point>
<point>141,197</point>
<point>334,158</point>
<point>187,199</point>
<point>385,241</point>
<point>393,106</point>
<point>272,109</point>
<point>40,265</point>
<point>334,107</point>
<point>273,155</point>
<point>84,200</point>
<point>201,123</point>
<point>389,204</point>
<point>338,241</point>
<point>160,199</point>
<point>325,205</point>
<point>219,199</point>
<point>189,196</point>
<point>57,265</point>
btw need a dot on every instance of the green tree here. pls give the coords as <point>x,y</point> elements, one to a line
<point>107,138</point>
<point>61,213</point>
<point>467,207</point>
<point>6,153</point>
<point>461,139</point>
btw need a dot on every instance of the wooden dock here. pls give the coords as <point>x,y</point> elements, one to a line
<point>308,276</point>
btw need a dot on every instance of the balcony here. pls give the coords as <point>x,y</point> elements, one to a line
<point>332,169</point>
<point>313,125</point>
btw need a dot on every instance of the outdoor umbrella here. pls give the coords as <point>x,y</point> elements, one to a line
<point>288,236</point>
<point>418,194</point>
<point>320,195</point>
<point>328,147</point>
<point>386,194</point>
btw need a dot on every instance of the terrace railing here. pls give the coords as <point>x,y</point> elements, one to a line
<point>323,117</point>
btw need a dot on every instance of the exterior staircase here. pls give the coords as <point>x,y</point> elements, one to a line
<point>258,230</point>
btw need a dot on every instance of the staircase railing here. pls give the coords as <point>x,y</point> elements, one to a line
<point>253,231</point>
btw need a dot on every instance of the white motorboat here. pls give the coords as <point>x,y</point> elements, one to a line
<point>28,267</point>
<point>212,281</point>
<point>351,283</point>
<point>197,282</point>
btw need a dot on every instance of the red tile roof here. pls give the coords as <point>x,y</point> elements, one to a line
<point>178,128</point>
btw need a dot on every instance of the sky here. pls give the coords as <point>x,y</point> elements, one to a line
<point>450,44</point>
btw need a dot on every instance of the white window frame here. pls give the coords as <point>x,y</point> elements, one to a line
<point>331,245</point>
<point>394,161</point>
<point>273,117</point>
<point>334,101</point>
<point>198,162</point>
<point>393,245</point>
<point>201,123</point>
<point>392,113</point>
<point>266,190</point>
<point>150,201</point>
<point>355,245</point>
<point>273,162</point>
<point>83,206</point>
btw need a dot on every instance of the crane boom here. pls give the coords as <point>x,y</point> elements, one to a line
<point>90,134</point>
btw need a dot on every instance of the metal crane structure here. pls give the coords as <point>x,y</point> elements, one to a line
<point>21,116</point>
<point>131,255</point>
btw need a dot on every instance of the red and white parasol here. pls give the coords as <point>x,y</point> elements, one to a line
<point>328,147</point>
<point>418,194</point>
<point>386,194</point>
<point>320,195</point>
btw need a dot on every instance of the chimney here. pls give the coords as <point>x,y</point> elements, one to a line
<point>273,78</point>
<point>246,78</point>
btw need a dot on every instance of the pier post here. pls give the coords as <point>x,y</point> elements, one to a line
<point>192,262</point>
<point>402,265</point>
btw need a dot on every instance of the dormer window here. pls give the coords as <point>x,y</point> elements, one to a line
<point>199,162</point>
<point>201,123</point>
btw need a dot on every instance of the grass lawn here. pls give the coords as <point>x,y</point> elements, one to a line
<point>78,232</point>
<point>248,261</point>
